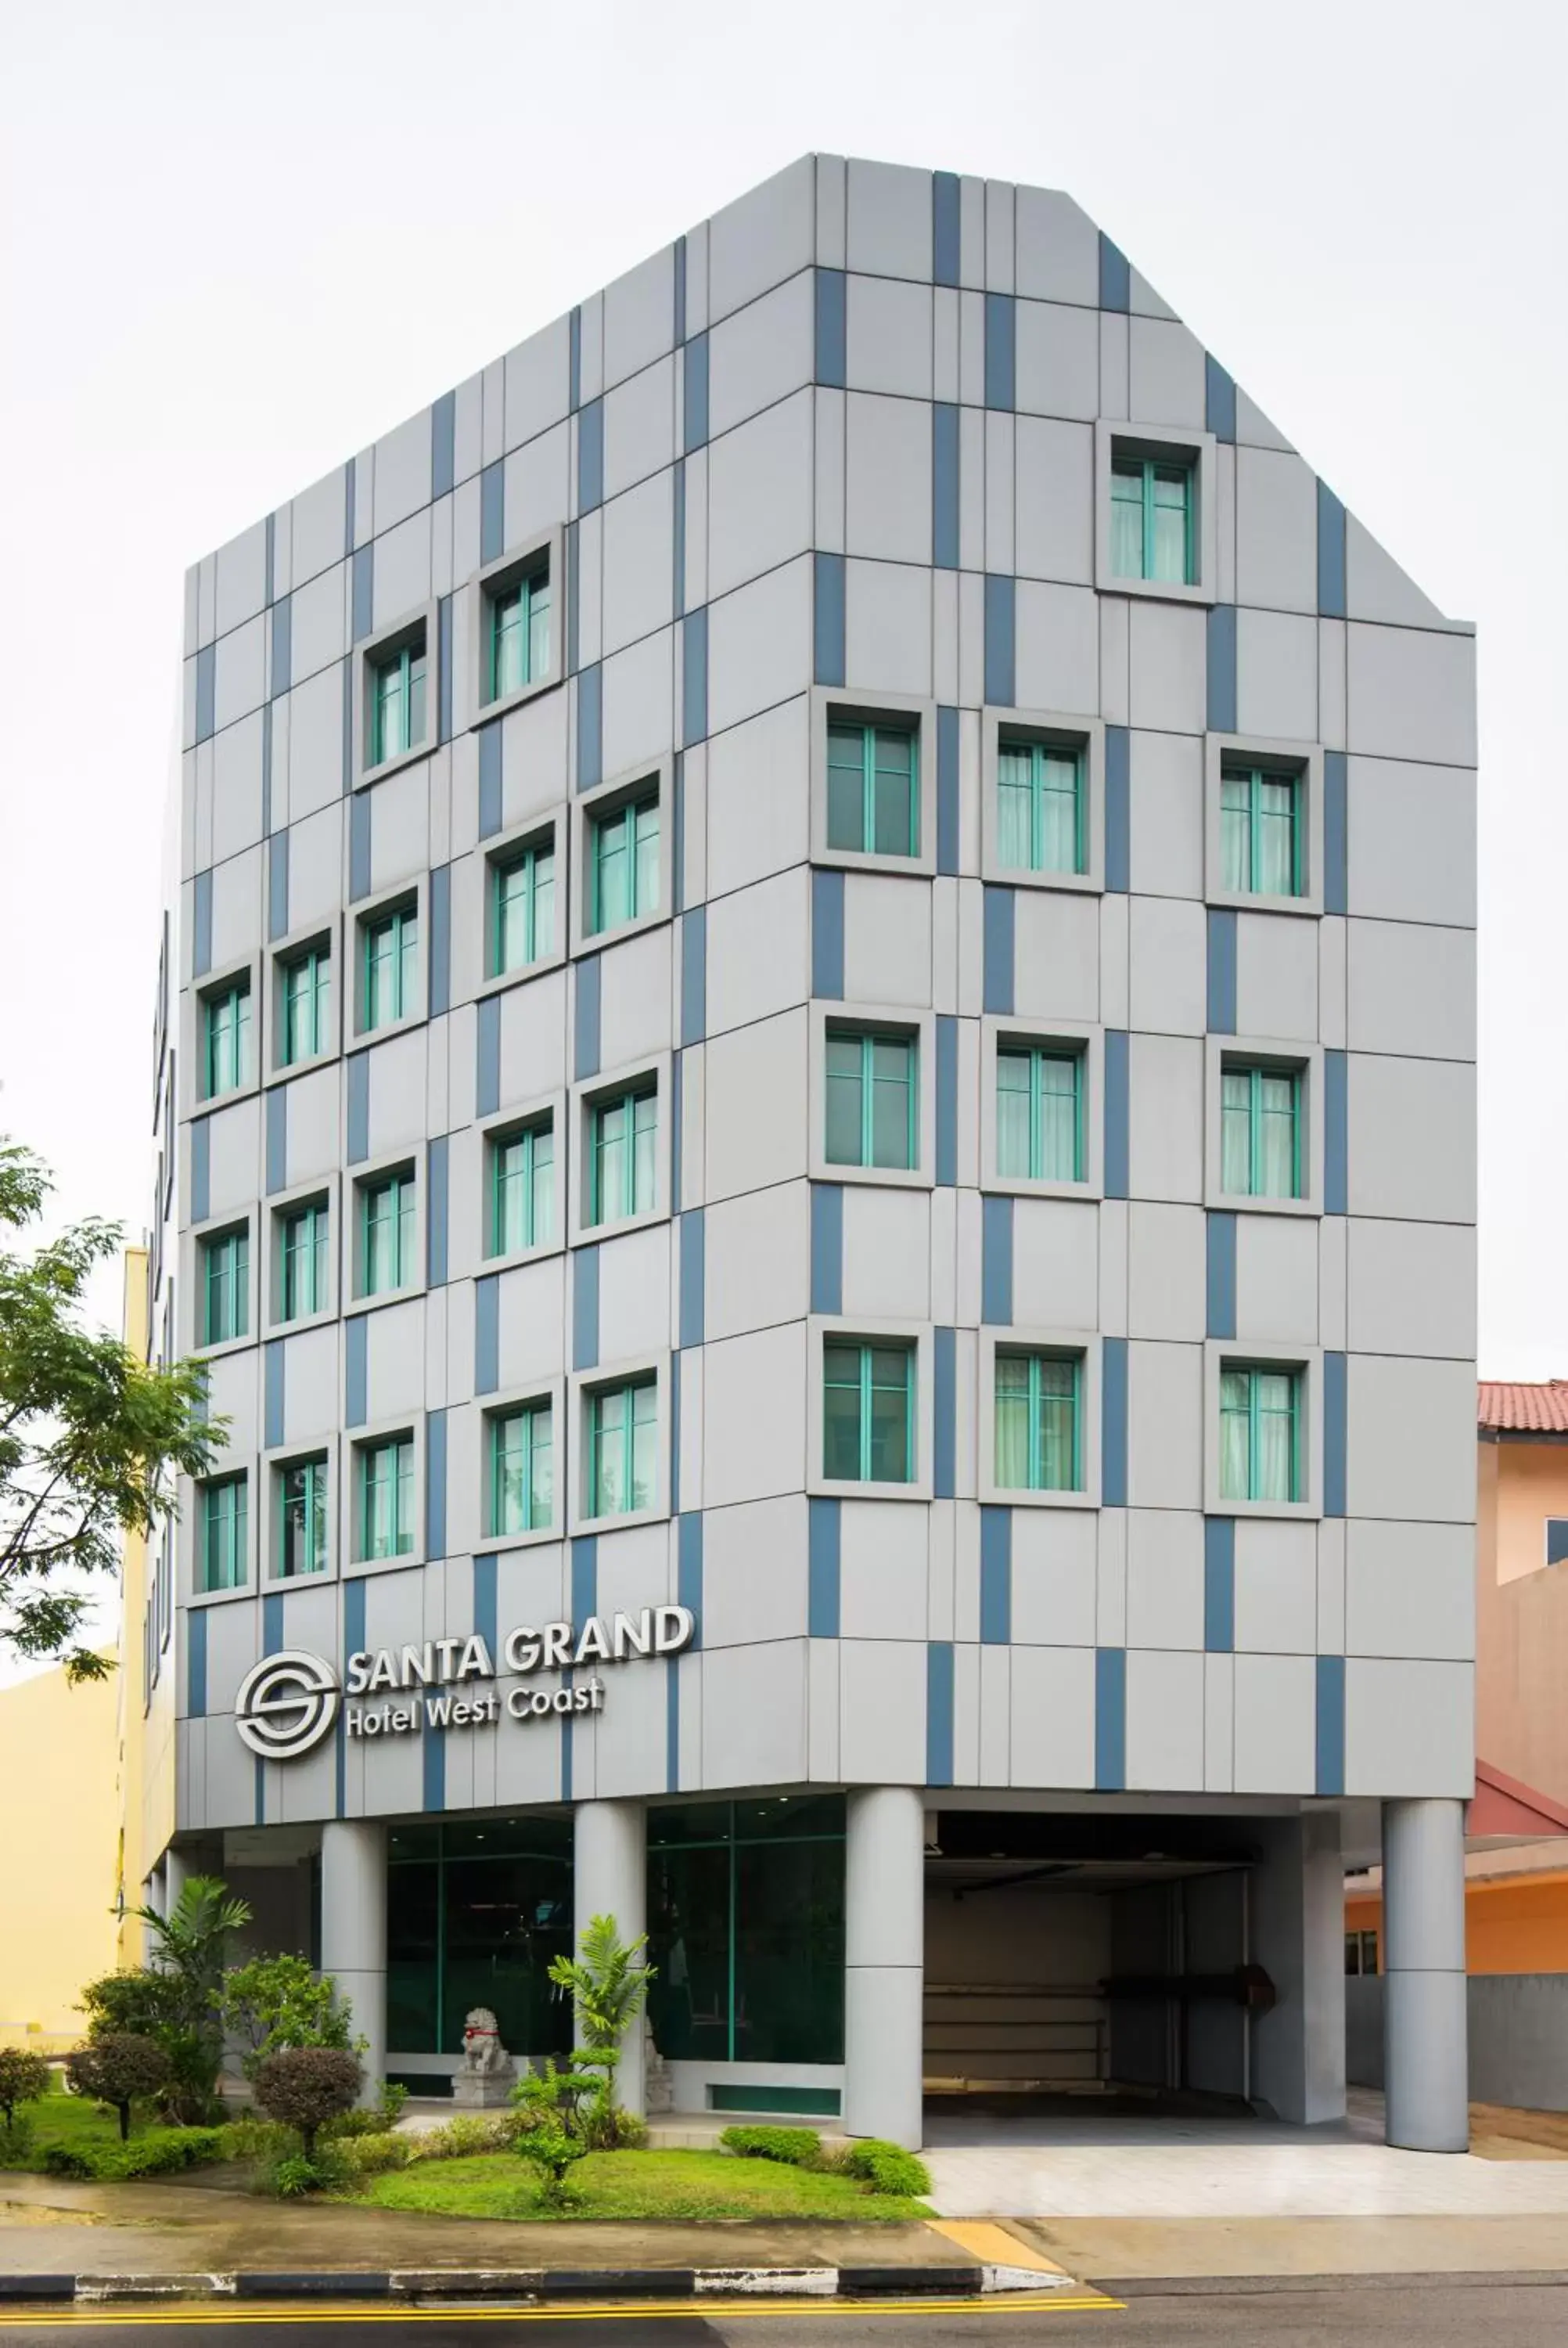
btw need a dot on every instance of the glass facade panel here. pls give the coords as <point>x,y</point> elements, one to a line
<point>522,1471</point>
<point>386,1499</point>
<point>307,981</point>
<point>522,1190</point>
<point>623,1175</point>
<point>391,946</point>
<point>623,1449</point>
<point>523,892</point>
<point>1153,519</point>
<point>222,1529</point>
<point>302,1281</point>
<point>397,702</point>
<point>225,1287</point>
<point>872,789</point>
<point>624,858</point>
<point>226,1039</point>
<point>1260,1139</point>
<point>872,1109</point>
<point>1259,1434</point>
<point>1260,831</point>
<point>1039,1113</point>
<point>1039,1407</point>
<point>477,1912</point>
<point>386,1234</point>
<point>868,1412</point>
<point>303,1518</point>
<point>1040,824</point>
<point>520,634</point>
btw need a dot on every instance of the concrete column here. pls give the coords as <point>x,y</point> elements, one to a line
<point>884,1952</point>
<point>1426,2069</point>
<point>610,1877</point>
<point>353,1932</point>
<point>152,1897</point>
<point>175,1870</point>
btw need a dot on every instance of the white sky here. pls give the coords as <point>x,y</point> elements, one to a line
<point>238,244</point>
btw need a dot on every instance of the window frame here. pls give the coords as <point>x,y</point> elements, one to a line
<point>502,1126</point>
<point>1167,444</point>
<point>829,705</point>
<point>193,1302</point>
<point>370,656</point>
<point>322,1192</point>
<point>228,1469</point>
<point>653,778</point>
<point>1284,1056</point>
<point>1002,1031</point>
<point>281,955</point>
<point>478,1467</point>
<point>549,827</point>
<point>1306,1364</point>
<point>891,1020</point>
<point>823,1328</point>
<point>654,1072</point>
<point>1050,728</point>
<point>242,971</point>
<point>546,549</point>
<point>1305,760</point>
<point>1027,1338</point>
<point>361,1180</point>
<point>410,1427</point>
<point>584,1386</point>
<point>275,1462</point>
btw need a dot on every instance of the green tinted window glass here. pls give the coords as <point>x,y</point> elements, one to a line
<point>623,1175</point>
<point>522,1190</point>
<point>872,1108</point>
<point>1153,519</point>
<point>1038,1412</point>
<point>1041,823</point>
<point>225,1287</point>
<point>1260,1135</point>
<point>520,646</point>
<point>226,1038</point>
<point>386,1499</point>
<point>522,909</point>
<point>397,702</point>
<point>872,789</point>
<point>1039,1113</point>
<point>303,1518</point>
<point>623,1455</point>
<point>1260,831</point>
<point>624,858</point>
<point>221,1530</point>
<point>391,949</point>
<point>1259,1434</point>
<point>386,1234</point>
<point>302,1281</point>
<point>522,1469</point>
<point>306,981</point>
<point>868,1412</point>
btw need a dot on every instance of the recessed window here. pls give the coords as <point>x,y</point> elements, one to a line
<point>1360,1952</point>
<point>1039,1113</point>
<point>522,1471</point>
<point>302,1260</point>
<point>305,984</point>
<point>397,700</point>
<point>1260,1432</point>
<point>517,633</point>
<point>868,1412</point>
<point>1038,1414</point>
<point>385,1234</point>
<point>522,1209</point>
<point>873,1099</point>
<point>623,1448</point>
<point>225,1285</point>
<point>623,1170</point>
<point>1260,1132</point>
<point>391,951</point>
<point>220,1533</point>
<point>522,909</point>
<point>303,1518</point>
<point>873,789</point>
<point>225,1038</point>
<point>623,864</point>
<point>1154,514</point>
<point>1260,831</point>
<point>1042,814</point>
<point>386,1499</point>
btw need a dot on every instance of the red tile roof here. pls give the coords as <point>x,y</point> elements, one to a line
<point>1512,1409</point>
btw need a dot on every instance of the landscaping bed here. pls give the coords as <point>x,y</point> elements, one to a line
<point>650,2185</point>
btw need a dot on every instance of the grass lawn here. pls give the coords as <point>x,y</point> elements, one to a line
<point>59,2119</point>
<point>634,2185</point>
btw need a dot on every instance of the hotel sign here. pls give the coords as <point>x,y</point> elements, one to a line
<point>289,1701</point>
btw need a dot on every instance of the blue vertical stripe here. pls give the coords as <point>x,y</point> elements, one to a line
<point>585,1308</point>
<point>1115,276</point>
<point>944,228</point>
<point>996,1262</point>
<point>946,1102</point>
<point>277,1140</point>
<point>1001,652</point>
<point>588,988</point>
<point>1219,1585</point>
<point>359,821</point>
<point>827,935</point>
<point>1336,1134</point>
<point>827,619</point>
<point>1000,907</point>
<point>1109,1720</point>
<point>278,883</point>
<point>689,1567</point>
<point>1222,969</point>
<point>827,1247</point>
<point>823,1568</point>
<point>1219,399</point>
<point>443,443</point>
<point>486,1612</point>
<point>206,691</point>
<point>273,1380</point>
<point>1330,1724</point>
<point>273,1622</point>
<point>1113,1422</point>
<point>432,1763</point>
<point>1222,1239</point>
<point>492,513</point>
<point>1336,832</point>
<point>589,727</point>
<point>947,791</point>
<point>584,1577</point>
<point>196,1661</point>
<point>444,676</point>
<point>996,1577</point>
<point>590,457</point>
<point>1222,669</point>
<point>440,940</point>
<point>1330,553</point>
<point>1118,809</point>
<point>944,486</point>
<point>355,1380</point>
<point>1336,1415</point>
<point>488,1333</point>
<point>358,1107</point>
<point>1118,1112</point>
<point>694,974</point>
<point>944,1413</point>
<point>200,1167</point>
<point>831,329</point>
<point>1001,342</point>
<point>487,1056</point>
<point>436,1485</point>
<point>282,644</point>
<point>201,924</point>
<point>693,1275</point>
<point>363,590</point>
<point>695,421</point>
<point>672,1722</point>
<point>939,1713</point>
<point>435,1211</point>
<point>490,783</point>
<point>694,676</point>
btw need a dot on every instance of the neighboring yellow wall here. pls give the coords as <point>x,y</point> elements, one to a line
<point>1532,1485</point>
<point>144,1732</point>
<point>58,1834</point>
<point>1522,1615</point>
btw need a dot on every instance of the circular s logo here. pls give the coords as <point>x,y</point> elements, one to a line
<point>286,1703</point>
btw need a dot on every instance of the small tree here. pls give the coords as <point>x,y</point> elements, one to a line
<point>24,2077</point>
<point>191,1943</point>
<point>117,2068</point>
<point>305,2086</point>
<point>550,2136</point>
<point>608,1985</point>
<point>278,2002</point>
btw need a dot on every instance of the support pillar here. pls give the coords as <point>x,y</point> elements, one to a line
<point>152,1897</point>
<point>353,1932</point>
<point>1425,2068</point>
<point>175,1870</point>
<point>610,1877</point>
<point>884,1952</point>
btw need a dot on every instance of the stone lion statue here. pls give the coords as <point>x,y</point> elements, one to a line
<point>487,2071</point>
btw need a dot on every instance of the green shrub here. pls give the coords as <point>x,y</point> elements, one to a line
<point>469,2133</point>
<point>292,2177</point>
<point>306,2087</point>
<point>253,2138</point>
<point>279,2002</point>
<point>372,2156</point>
<point>23,2078</point>
<point>798,2146</point>
<point>161,2152</point>
<point>116,2069</point>
<point>886,2168</point>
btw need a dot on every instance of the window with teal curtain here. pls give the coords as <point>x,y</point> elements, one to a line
<point>873,1105</point>
<point>307,981</point>
<point>226,1038</point>
<point>386,1497</point>
<point>1260,1132</point>
<point>1039,1113</point>
<point>1260,831</point>
<point>1260,1432</point>
<point>225,1287</point>
<point>397,702</point>
<point>522,907</point>
<point>1038,1421</point>
<point>623,1448</point>
<point>303,1518</point>
<point>868,1412</point>
<point>303,1261</point>
<point>873,789</point>
<point>522,1189</point>
<point>386,1234</point>
<point>520,634</point>
<point>623,857</point>
<point>221,1532</point>
<point>623,1170</point>
<point>522,1469</point>
<point>391,948</point>
<point>1153,519</point>
<point>1040,815</point>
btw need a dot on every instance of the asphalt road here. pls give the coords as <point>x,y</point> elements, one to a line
<point>1499,2311</point>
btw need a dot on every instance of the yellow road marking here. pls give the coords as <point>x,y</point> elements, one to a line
<point>227,2312</point>
<point>991,2244</point>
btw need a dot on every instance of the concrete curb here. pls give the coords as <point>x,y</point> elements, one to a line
<point>538,2284</point>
